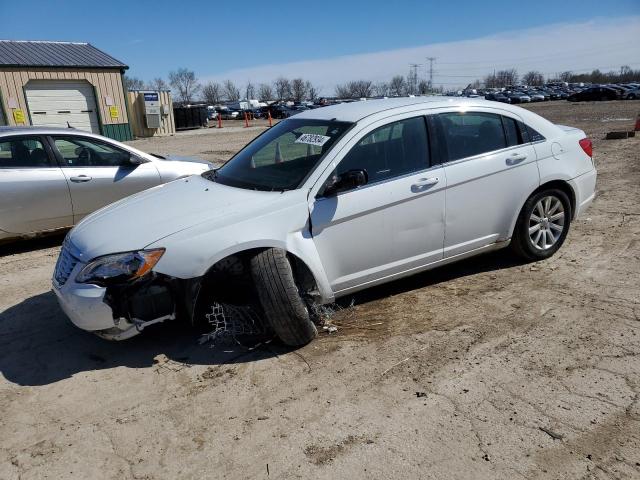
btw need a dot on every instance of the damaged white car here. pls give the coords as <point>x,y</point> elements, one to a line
<point>326,203</point>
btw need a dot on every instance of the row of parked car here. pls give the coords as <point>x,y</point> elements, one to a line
<point>570,92</point>
<point>278,110</point>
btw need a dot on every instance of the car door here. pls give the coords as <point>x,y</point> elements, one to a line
<point>491,168</point>
<point>393,223</point>
<point>100,173</point>
<point>34,195</point>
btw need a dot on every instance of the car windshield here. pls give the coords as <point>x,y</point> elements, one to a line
<point>282,157</point>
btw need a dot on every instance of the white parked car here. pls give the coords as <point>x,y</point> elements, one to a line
<point>331,201</point>
<point>50,178</point>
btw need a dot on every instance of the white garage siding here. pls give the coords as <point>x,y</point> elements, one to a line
<point>61,103</point>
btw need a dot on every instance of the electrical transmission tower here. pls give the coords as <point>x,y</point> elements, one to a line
<point>431,60</point>
<point>413,78</point>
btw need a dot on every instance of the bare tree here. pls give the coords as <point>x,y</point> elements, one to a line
<point>381,89</point>
<point>397,86</point>
<point>298,89</point>
<point>158,84</point>
<point>423,87</point>
<point>491,81</point>
<point>185,83</point>
<point>249,91</point>
<point>282,87</point>
<point>412,81</point>
<point>212,93</point>
<point>533,78</point>
<point>132,83</point>
<point>566,76</point>
<point>343,91</point>
<point>265,92</point>
<point>312,92</point>
<point>230,91</point>
<point>626,73</point>
<point>505,78</point>
<point>361,88</point>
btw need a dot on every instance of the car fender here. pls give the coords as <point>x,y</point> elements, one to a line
<point>174,169</point>
<point>549,172</point>
<point>190,253</point>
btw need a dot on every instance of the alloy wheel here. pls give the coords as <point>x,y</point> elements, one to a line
<point>546,222</point>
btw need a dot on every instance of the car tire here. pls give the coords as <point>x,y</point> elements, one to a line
<point>284,308</point>
<point>540,229</point>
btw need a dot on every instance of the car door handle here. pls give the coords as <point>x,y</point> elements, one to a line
<point>80,178</point>
<point>515,158</point>
<point>426,182</point>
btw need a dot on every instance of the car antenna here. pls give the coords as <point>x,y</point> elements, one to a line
<point>69,125</point>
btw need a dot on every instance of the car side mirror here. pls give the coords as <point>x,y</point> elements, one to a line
<point>136,160</point>
<point>346,181</point>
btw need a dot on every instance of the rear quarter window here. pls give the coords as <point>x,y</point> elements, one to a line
<point>534,135</point>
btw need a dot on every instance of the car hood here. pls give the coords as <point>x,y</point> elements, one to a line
<point>144,218</point>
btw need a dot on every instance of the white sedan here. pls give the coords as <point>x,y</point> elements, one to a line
<point>50,178</point>
<point>331,201</point>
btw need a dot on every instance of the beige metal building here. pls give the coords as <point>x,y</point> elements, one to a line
<point>63,84</point>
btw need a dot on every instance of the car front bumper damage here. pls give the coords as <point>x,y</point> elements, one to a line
<point>122,311</point>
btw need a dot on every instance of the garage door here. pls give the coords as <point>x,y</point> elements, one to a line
<point>54,103</point>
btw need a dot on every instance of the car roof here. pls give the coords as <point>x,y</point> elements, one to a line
<point>13,130</point>
<point>356,111</point>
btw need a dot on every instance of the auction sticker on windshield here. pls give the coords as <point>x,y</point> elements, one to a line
<point>313,139</point>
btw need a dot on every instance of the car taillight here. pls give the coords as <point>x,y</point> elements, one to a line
<point>587,146</point>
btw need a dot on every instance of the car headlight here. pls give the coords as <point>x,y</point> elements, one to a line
<point>120,267</point>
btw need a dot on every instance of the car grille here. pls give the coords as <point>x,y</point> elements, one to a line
<point>65,264</point>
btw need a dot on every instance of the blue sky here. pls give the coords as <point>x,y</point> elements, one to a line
<point>218,39</point>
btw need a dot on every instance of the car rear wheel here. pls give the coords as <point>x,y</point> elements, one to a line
<point>284,308</point>
<point>543,225</point>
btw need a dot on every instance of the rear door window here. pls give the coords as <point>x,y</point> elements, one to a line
<point>23,152</point>
<point>512,132</point>
<point>467,134</point>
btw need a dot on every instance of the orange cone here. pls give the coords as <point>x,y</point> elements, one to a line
<point>219,120</point>
<point>637,127</point>
<point>246,120</point>
<point>269,117</point>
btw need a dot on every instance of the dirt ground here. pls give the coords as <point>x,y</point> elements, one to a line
<point>487,369</point>
<point>212,144</point>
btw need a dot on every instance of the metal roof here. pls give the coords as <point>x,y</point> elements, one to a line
<point>19,53</point>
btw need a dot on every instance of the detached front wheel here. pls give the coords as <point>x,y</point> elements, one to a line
<point>284,308</point>
<point>543,225</point>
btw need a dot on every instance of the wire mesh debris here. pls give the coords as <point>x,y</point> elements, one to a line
<point>241,325</point>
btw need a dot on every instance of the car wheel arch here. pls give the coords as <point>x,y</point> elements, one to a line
<point>564,187</point>
<point>557,183</point>
<point>303,273</point>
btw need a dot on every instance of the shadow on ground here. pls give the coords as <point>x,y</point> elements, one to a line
<point>489,262</point>
<point>28,245</point>
<point>39,345</point>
